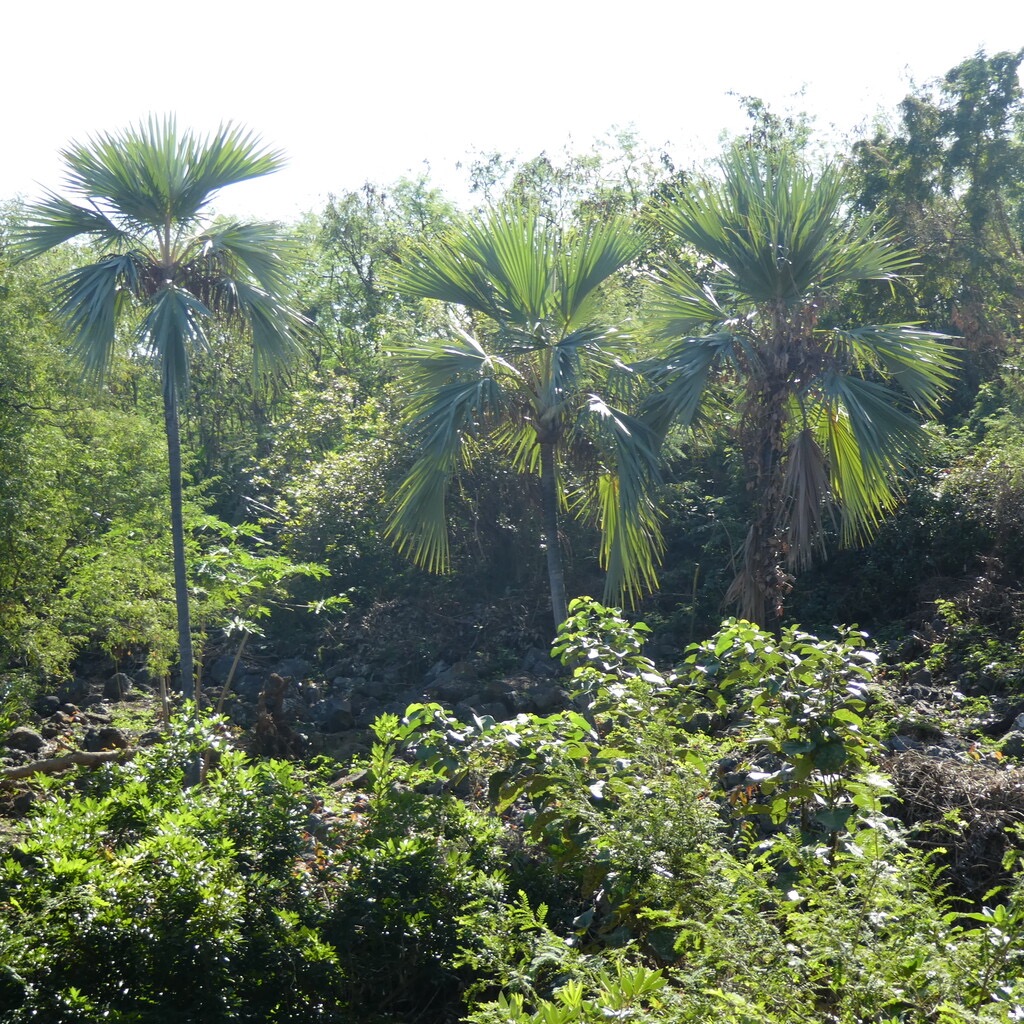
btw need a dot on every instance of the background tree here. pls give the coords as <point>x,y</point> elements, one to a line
<point>343,287</point>
<point>524,366</point>
<point>827,417</point>
<point>948,174</point>
<point>141,197</point>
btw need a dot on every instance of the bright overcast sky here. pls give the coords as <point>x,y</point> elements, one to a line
<point>371,91</point>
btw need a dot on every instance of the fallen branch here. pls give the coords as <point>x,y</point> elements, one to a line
<point>52,765</point>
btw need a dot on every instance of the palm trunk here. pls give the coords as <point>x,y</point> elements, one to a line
<point>188,682</point>
<point>549,501</point>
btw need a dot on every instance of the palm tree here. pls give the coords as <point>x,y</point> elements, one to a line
<point>527,356</point>
<point>828,417</point>
<point>141,197</point>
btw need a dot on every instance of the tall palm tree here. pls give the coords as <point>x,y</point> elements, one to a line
<point>828,417</point>
<point>527,357</point>
<point>141,198</point>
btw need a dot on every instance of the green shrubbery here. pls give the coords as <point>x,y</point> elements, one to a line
<point>708,844</point>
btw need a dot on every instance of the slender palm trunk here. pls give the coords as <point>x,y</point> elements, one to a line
<point>549,501</point>
<point>188,682</point>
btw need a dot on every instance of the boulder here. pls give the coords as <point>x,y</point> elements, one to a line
<point>47,705</point>
<point>118,686</point>
<point>24,738</point>
<point>106,738</point>
<point>333,715</point>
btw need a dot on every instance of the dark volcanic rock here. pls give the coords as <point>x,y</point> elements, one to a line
<point>47,704</point>
<point>106,738</point>
<point>24,738</point>
<point>333,715</point>
<point>118,686</point>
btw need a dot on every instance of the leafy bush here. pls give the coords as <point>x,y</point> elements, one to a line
<point>141,901</point>
<point>589,865</point>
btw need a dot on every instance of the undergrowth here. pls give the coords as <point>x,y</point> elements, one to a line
<point>708,844</point>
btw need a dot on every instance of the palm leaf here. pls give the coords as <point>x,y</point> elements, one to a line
<point>171,329</point>
<point>870,443</point>
<point>681,377</point>
<point>631,543</point>
<point>777,231</point>
<point>418,526</point>
<point>588,257</point>
<point>236,250</point>
<point>277,331</point>
<point>679,306</point>
<point>151,175</point>
<point>515,253</point>
<point>922,363</point>
<point>805,490</point>
<point>55,220</point>
<point>458,389</point>
<point>90,300</point>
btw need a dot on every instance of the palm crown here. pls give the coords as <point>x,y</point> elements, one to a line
<point>141,197</point>
<point>829,417</point>
<point>525,366</point>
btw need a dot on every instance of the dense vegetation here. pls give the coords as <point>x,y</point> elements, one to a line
<point>613,376</point>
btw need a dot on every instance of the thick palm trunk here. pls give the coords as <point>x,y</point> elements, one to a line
<point>549,501</point>
<point>185,664</point>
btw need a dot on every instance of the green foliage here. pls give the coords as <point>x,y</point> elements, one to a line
<point>567,868</point>
<point>422,876</point>
<point>803,701</point>
<point>149,903</point>
<point>342,289</point>
<point>324,482</point>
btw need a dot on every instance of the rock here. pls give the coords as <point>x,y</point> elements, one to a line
<point>333,715</point>
<point>24,738</point>
<point>118,686</point>
<point>47,704</point>
<point>540,663</point>
<point>343,746</point>
<point>23,803</point>
<point>241,714</point>
<point>435,670</point>
<point>900,744</point>
<point>548,698</point>
<point>455,682</point>
<point>497,710</point>
<point>922,678</point>
<point>106,738</point>
<point>371,713</point>
<point>296,668</point>
<point>74,692</point>
<point>1013,742</point>
<point>334,672</point>
<point>249,686</point>
<point>219,669</point>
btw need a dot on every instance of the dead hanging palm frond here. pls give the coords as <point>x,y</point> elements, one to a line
<point>747,591</point>
<point>806,499</point>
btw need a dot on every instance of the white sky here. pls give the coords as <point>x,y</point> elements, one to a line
<point>357,91</point>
